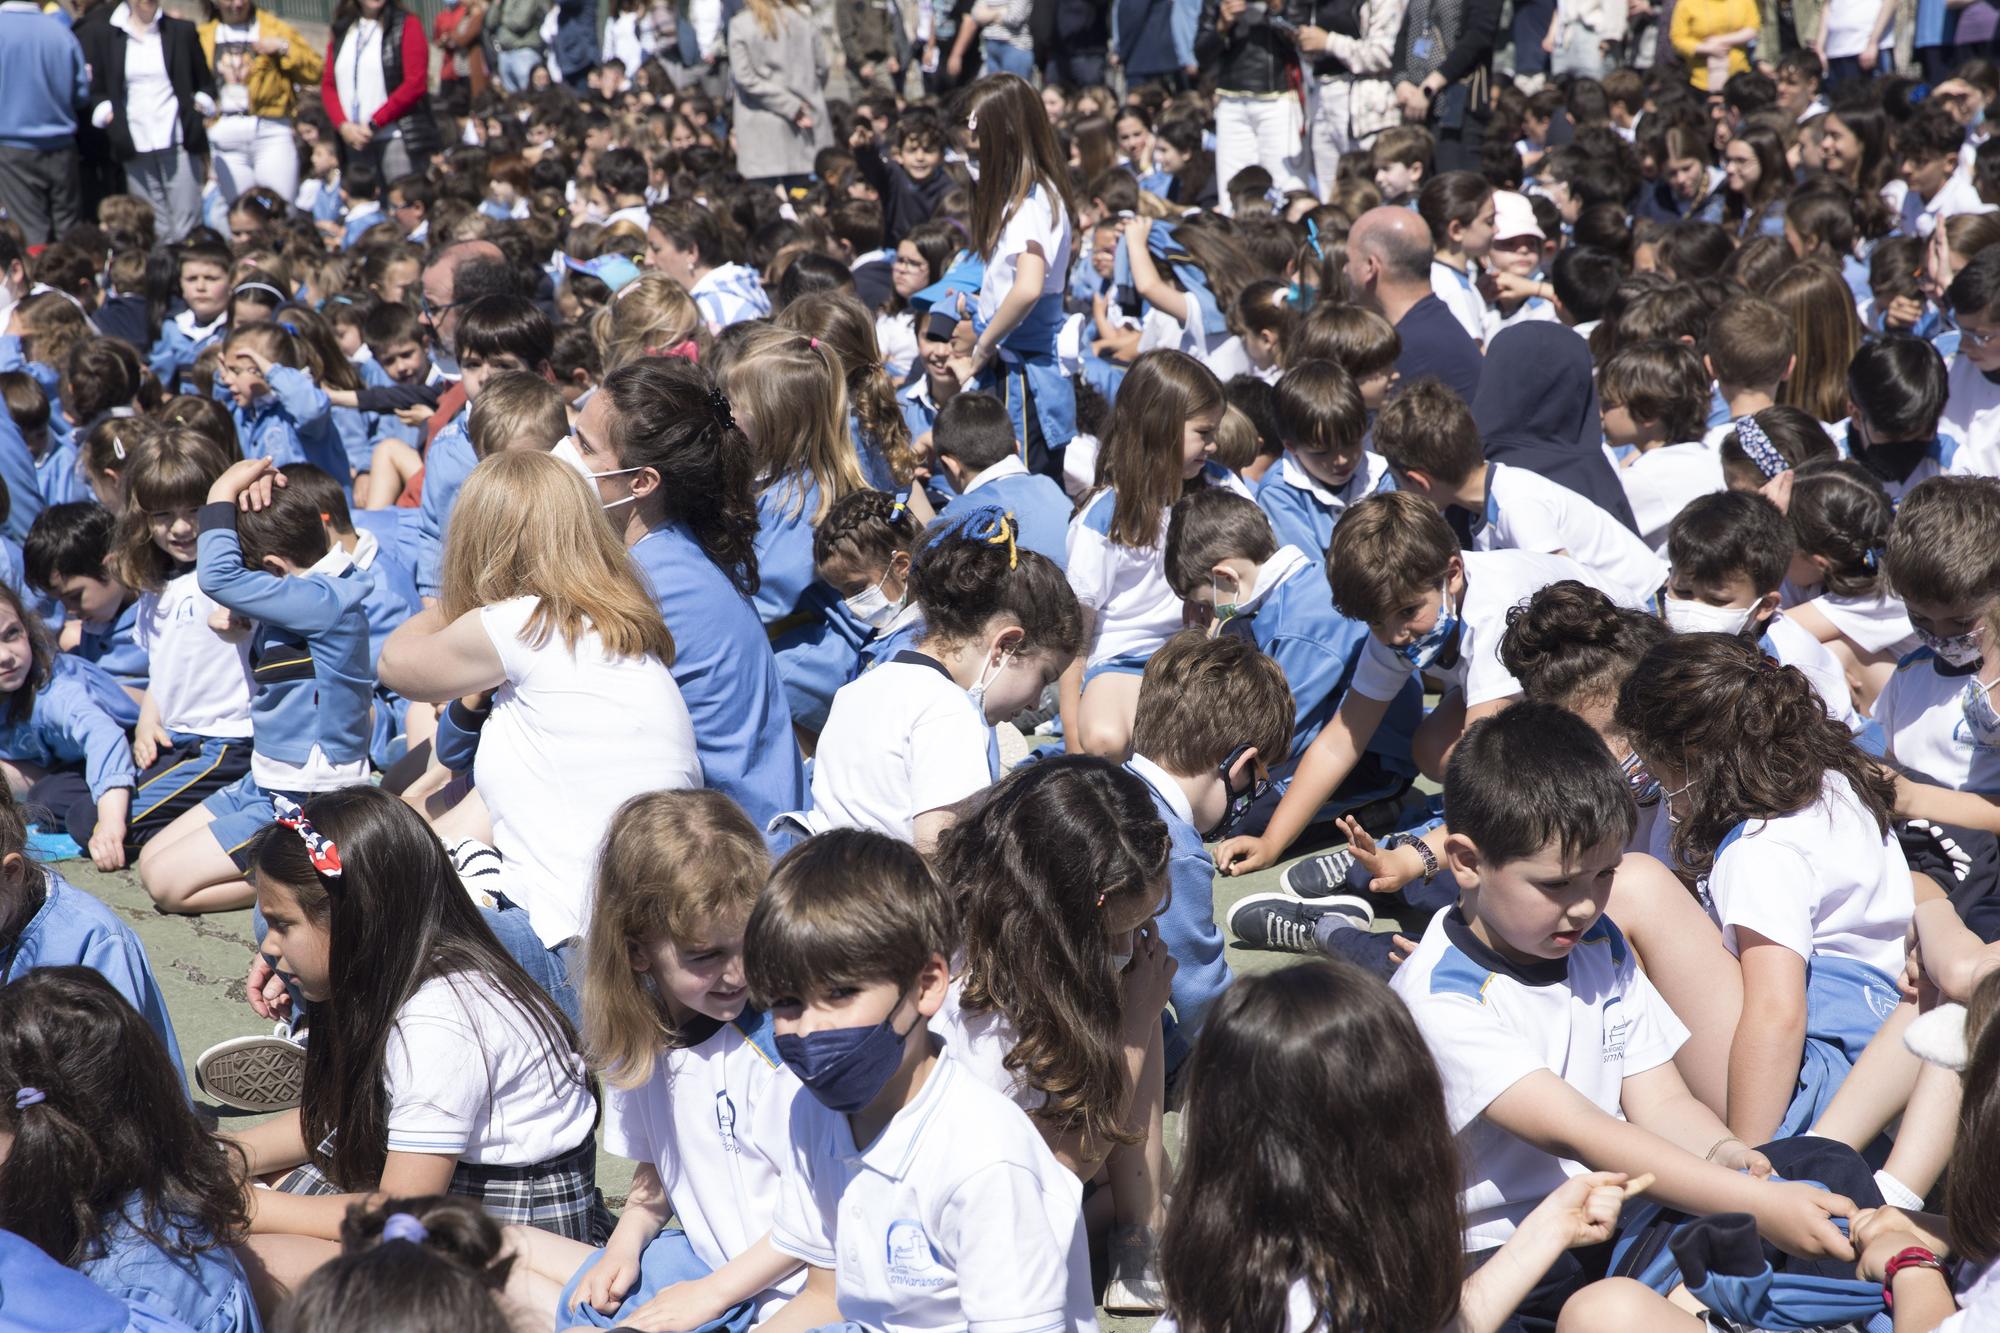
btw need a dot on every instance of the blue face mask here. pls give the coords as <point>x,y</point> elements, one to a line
<point>1439,639</point>
<point>846,1068</point>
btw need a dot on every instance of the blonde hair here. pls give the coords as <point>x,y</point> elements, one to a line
<point>842,323</point>
<point>651,312</point>
<point>788,395</point>
<point>674,864</point>
<point>525,525</point>
<point>52,324</point>
<point>766,12</point>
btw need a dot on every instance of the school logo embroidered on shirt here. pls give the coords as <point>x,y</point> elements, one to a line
<point>725,1122</point>
<point>1617,1028</point>
<point>912,1260</point>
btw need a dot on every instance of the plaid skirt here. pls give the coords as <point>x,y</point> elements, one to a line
<point>559,1196</point>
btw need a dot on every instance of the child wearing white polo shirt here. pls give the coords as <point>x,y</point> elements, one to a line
<point>911,738</point>
<point>920,1197</point>
<point>1972,386</point>
<point>1432,445</point>
<point>1556,1051</point>
<point>1395,566</point>
<point>1840,516</point>
<point>1655,400</point>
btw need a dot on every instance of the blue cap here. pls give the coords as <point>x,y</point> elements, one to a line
<point>614,271</point>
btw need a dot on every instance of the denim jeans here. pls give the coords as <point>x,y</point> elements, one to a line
<point>548,965</point>
<point>1004,59</point>
<point>517,65</point>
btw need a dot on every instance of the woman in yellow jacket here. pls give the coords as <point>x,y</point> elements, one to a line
<point>1713,37</point>
<point>258,59</point>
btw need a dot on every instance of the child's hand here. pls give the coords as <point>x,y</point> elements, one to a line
<point>1388,871</point>
<point>107,844</point>
<point>147,742</point>
<point>1584,1209</point>
<point>1242,855</point>
<point>1876,1254</point>
<point>240,479</point>
<point>1740,1156</point>
<point>680,1307</point>
<point>265,989</point>
<point>1138,232</point>
<point>414,416</point>
<point>1514,287</point>
<point>256,358</point>
<point>1778,490</point>
<point>1146,984</point>
<point>1903,312</point>
<point>1870,1224</point>
<point>478,702</point>
<point>1798,1219</point>
<point>227,625</point>
<point>603,1288</point>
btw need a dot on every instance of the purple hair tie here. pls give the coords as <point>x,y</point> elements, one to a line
<point>404,1226</point>
<point>26,1097</point>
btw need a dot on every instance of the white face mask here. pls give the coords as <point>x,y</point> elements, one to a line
<point>988,673</point>
<point>1692,617</point>
<point>566,451</point>
<point>872,607</point>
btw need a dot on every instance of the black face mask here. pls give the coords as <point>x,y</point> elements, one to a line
<point>1893,463</point>
<point>1240,798</point>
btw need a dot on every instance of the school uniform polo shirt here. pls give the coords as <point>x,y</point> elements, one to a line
<point>956,1216</point>
<point>1661,482</point>
<point>1922,713</point>
<point>1526,511</point>
<point>1592,1019</point>
<point>1303,511</point>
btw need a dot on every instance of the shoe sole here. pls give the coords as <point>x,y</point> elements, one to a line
<point>253,1073</point>
<point>1120,1300</point>
<point>1255,899</point>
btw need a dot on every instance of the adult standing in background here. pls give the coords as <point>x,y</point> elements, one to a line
<point>151,92</point>
<point>459,32</point>
<point>1072,40</point>
<point>1349,47</point>
<point>777,69</point>
<point>1258,118</point>
<point>44,83</point>
<point>1443,71</point>
<point>1153,40</point>
<point>874,43</point>
<point>377,85</point>
<point>518,38</point>
<point>1008,45</point>
<point>699,46</point>
<point>262,63</point>
<point>575,46</point>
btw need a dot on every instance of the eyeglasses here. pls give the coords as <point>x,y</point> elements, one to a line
<point>1973,338</point>
<point>436,313</point>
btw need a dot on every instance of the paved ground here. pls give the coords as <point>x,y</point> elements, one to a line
<point>200,963</point>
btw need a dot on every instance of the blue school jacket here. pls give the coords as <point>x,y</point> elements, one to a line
<point>784,544</point>
<point>292,424</point>
<point>115,648</point>
<point>727,674</point>
<point>36,1292</point>
<point>207,1291</point>
<point>78,718</point>
<point>447,463</point>
<point>1188,926</point>
<point>1299,517</point>
<point>17,470</point>
<point>391,600</point>
<point>73,929</point>
<point>1041,511</point>
<point>181,340</point>
<point>58,476</point>
<point>309,656</point>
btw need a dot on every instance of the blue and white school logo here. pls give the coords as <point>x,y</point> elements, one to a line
<point>725,1122</point>
<point>912,1260</point>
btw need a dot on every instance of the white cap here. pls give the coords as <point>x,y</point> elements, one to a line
<point>1514,216</point>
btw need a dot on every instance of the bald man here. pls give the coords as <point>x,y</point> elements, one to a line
<point>1389,267</point>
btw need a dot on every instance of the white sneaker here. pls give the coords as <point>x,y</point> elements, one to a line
<point>1134,1286</point>
<point>254,1073</point>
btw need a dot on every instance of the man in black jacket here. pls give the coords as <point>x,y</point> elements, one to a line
<point>1259,119</point>
<point>150,90</point>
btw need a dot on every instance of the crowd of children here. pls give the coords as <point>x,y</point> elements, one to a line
<point>776,675</point>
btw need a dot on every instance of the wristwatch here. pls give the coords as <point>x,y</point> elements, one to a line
<point>1398,840</point>
<point>1915,1256</point>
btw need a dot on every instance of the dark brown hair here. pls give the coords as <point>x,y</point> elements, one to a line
<point>1941,546</point>
<point>1211,526</point>
<point>1017,152</point>
<point>1140,461</point>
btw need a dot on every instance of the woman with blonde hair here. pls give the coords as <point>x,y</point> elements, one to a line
<point>651,316</point>
<point>1827,332</point>
<point>541,613</point>
<point>777,67</point>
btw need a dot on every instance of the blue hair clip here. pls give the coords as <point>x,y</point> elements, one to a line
<point>404,1226</point>
<point>1758,448</point>
<point>289,327</point>
<point>1871,560</point>
<point>901,507</point>
<point>1312,238</point>
<point>26,1097</point>
<point>988,523</point>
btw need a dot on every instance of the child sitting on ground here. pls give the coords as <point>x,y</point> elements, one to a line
<point>974,442</point>
<point>863,552</point>
<point>68,556</point>
<point>516,410</point>
<point>1840,516</point>
<point>1323,420</point>
<point>1896,397</point>
<point>1655,401</point>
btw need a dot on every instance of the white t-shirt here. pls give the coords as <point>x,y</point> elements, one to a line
<point>981,1043</point>
<point>1874,622</point>
<point>1972,413</point>
<point>1592,1019</point>
<point>1823,881</point>
<point>152,110</point>
<point>1525,511</point>
<point>1041,220</point>
<point>899,740</point>
<point>1460,294</point>
<point>1922,713</point>
<point>572,736</point>
<point>715,1121</point>
<point>1847,24</point>
<point>1661,482</point>
<point>1955,196</point>
<point>1789,644</point>
<point>1496,582</point>
<point>956,1216</point>
<point>200,681</point>
<point>1978,1305</point>
<point>470,1076</point>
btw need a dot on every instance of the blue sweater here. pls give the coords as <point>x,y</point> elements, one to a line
<point>447,463</point>
<point>17,470</point>
<point>78,718</point>
<point>207,1290</point>
<point>728,676</point>
<point>1040,509</point>
<point>293,423</point>
<point>1188,926</point>
<point>43,82</point>
<point>784,545</point>
<point>181,340</point>
<point>115,647</point>
<point>309,656</point>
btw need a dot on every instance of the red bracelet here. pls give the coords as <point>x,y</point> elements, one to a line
<point>1916,1256</point>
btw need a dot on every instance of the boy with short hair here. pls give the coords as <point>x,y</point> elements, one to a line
<point>1402,157</point>
<point>1361,342</point>
<point>911,184</point>
<point>974,442</point>
<point>1896,393</point>
<point>1655,401</point>
<point>1799,76</point>
<point>1395,566</point>
<point>1432,446</point>
<point>1749,352</point>
<point>917,1196</point>
<point>1213,715</point>
<point>1625,90</point>
<point>1555,1050</point>
<point>1322,422</point>
<point>68,556</point>
<point>361,198</point>
<point>1729,554</point>
<point>1929,144</point>
<point>619,189</point>
<point>1222,554</point>
<point>410,200</point>
<point>1585,281</point>
<point>516,410</point>
<point>1972,385</point>
<point>1945,564</point>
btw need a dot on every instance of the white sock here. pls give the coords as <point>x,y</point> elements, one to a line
<point>1896,1193</point>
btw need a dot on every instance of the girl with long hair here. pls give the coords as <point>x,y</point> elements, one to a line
<point>540,604</point>
<point>1023,229</point>
<point>881,439</point>
<point>1758,180</point>
<point>1783,824</point>
<point>436,1065</point>
<point>1841,516</point>
<point>1157,446</point>
<point>653,317</point>
<point>106,1169</point>
<point>1827,332</point>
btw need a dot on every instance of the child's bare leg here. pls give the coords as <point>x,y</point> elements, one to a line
<point>184,869</point>
<point>277,1264</point>
<point>1437,733</point>
<point>1110,704</point>
<point>20,775</point>
<point>543,1266</point>
<point>1930,1123</point>
<point>1626,1305</point>
<point>1876,1090</point>
<point>1687,962</point>
<point>1139,1170</point>
<point>467,817</point>
<point>389,470</point>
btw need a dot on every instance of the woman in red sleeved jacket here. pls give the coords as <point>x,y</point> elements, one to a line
<point>377,87</point>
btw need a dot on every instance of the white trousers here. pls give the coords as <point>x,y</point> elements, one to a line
<point>1261,132</point>
<point>254,150</point>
